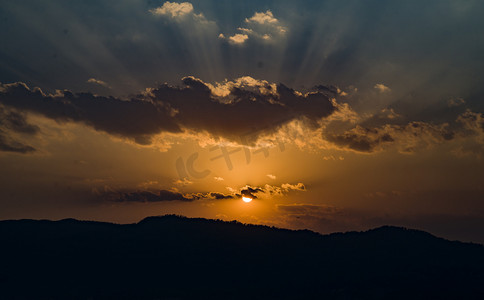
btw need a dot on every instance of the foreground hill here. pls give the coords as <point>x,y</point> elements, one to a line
<point>178,258</point>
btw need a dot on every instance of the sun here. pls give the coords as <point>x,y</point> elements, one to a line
<point>246,199</point>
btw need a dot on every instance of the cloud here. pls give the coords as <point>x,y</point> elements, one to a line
<point>268,190</point>
<point>251,192</point>
<point>12,125</point>
<point>473,122</point>
<point>220,196</point>
<point>145,196</point>
<point>7,144</point>
<point>183,182</point>
<point>454,102</point>
<point>293,187</point>
<point>307,209</point>
<point>240,110</point>
<point>262,26</point>
<point>246,30</point>
<point>380,87</point>
<point>244,111</point>
<point>406,137</point>
<point>238,39</point>
<point>273,177</point>
<point>173,9</point>
<point>218,178</point>
<point>184,12</point>
<point>136,119</point>
<point>473,133</point>
<point>17,122</point>
<point>262,18</point>
<point>98,82</point>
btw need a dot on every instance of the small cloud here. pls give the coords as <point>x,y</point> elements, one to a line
<point>389,114</point>
<point>261,26</point>
<point>218,178</point>
<point>246,30</point>
<point>382,88</point>
<point>262,18</point>
<point>98,82</point>
<point>293,187</point>
<point>221,36</point>
<point>183,182</point>
<point>455,102</point>
<point>173,9</point>
<point>180,12</point>
<point>221,217</point>
<point>148,184</point>
<point>251,192</point>
<point>238,39</point>
<point>271,176</point>
<point>332,157</point>
<point>268,21</point>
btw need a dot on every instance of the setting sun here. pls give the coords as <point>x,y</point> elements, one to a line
<point>246,199</point>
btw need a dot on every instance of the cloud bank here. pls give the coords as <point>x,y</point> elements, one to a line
<point>231,110</point>
<point>146,196</point>
<point>244,111</point>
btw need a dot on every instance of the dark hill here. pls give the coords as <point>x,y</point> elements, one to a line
<point>174,257</point>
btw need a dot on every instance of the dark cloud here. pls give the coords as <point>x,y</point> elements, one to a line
<point>360,139</point>
<point>8,144</point>
<point>15,121</point>
<point>407,137</point>
<point>12,122</point>
<point>243,111</point>
<point>251,192</point>
<point>145,196</point>
<point>220,196</point>
<point>162,196</point>
<point>135,119</point>
<point>168,195</point>
<point>270,190</point>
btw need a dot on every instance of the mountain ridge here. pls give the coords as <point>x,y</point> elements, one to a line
<point>184,258</point>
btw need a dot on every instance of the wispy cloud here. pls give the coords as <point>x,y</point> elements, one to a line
<point>382,88</point>
<point>98,82</point>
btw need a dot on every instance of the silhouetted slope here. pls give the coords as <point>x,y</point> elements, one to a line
<point>174,257</point>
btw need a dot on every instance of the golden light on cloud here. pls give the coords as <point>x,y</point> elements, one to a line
<point>246,199</point>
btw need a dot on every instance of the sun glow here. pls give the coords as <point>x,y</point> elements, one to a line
<point>246,199</point>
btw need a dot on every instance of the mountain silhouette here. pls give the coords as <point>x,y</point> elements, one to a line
<point>173,257</point>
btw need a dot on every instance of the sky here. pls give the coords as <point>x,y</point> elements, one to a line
<point>329,115</point>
